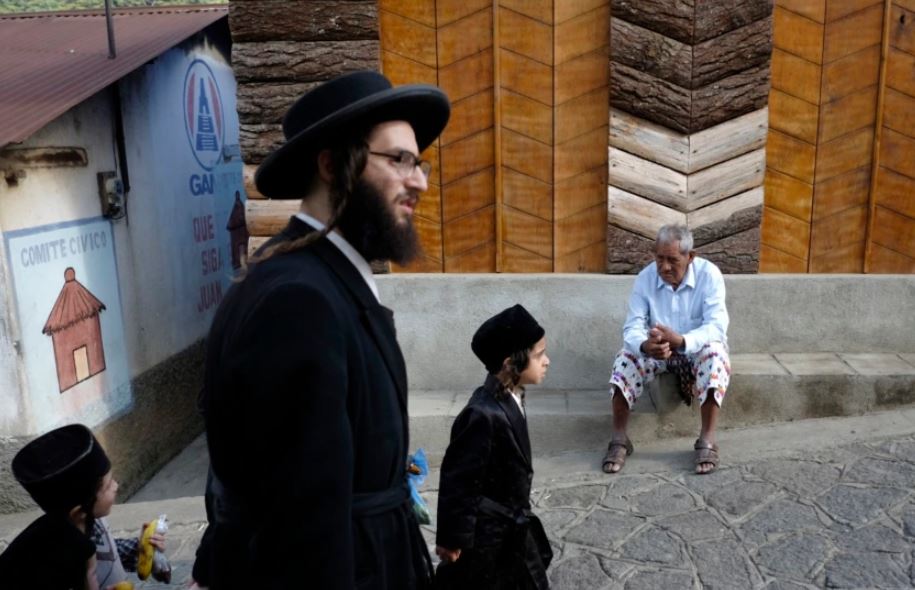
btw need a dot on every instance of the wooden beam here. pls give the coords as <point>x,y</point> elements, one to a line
<point>725,179</point>
<point>729,139</point>
<point>878,136</point>
<point>248,171</point>
<point>649,140</point>
<point>727,217</point>
<point>639,214</point>
<point>497,132</point>
<point>644,177</point>
<point>267,217</point>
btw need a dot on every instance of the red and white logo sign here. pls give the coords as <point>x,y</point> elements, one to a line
<point>204,120</point>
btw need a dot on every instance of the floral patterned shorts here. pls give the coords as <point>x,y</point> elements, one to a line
<point>710,365</point>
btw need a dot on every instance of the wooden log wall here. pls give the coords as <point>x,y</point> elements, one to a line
<point>280,50</point>
<point>520,179</point>
<point>514,181</point>
<point>689,82</point>
<point>840,177</point>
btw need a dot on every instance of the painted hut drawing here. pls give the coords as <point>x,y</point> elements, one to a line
<point>76,332</point>
<point>238,232</point>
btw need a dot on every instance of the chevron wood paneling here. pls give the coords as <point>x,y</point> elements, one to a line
<point>722,197</point>
<point>829,107</point>
<point>522,165</point>
<point>688,125</point>
<point>409,54</point>
<point>823,106</point>
<point>554,134</point>
<point>450,44</point>
<point>891,248</point>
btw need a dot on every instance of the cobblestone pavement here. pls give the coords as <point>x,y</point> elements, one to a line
<point>843,518</point>
<point>840,518</point>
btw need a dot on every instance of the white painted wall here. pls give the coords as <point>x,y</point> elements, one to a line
<point>152,290</point>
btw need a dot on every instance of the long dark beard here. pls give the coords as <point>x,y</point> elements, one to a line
<point>370,226</point>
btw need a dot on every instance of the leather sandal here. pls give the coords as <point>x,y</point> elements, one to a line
<point>706,452</point>
<point>617,451</point>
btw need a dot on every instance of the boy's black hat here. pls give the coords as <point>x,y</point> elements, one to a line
<point>339,106</point>
<point>62,468</point>
<point>505,333</point>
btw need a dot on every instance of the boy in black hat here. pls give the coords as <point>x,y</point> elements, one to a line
<point>305,386</point>
<point>62,471</point>
<point>487,536</point>
<point>68,474</point>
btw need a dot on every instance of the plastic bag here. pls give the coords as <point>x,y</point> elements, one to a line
<point>417,470</point>
<point>151,560</point>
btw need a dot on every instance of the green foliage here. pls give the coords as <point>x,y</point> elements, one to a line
<point>9,6</point>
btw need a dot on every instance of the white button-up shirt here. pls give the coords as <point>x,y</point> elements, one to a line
<point>696,310</point>
<point>347,249</point>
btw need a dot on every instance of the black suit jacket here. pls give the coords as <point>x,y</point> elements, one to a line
<point>305,404</point>
<point>484,498</point>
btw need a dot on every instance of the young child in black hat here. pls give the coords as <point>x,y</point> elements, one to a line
<point>487,536</point>
<point>68,474</point>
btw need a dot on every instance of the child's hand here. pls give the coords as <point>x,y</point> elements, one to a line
<point>157,540</point>
<point>447,555</point>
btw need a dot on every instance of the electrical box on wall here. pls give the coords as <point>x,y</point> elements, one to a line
<point>111,193</point>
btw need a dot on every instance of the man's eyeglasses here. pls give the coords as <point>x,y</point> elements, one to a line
<point>405,163</point>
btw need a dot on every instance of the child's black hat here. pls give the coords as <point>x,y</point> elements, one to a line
<point>505,333</point>
<point>62,468</point>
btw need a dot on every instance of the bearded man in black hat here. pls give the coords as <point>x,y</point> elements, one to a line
<point>305,394</point>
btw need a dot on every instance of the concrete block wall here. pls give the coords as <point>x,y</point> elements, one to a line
<point>583,315</point>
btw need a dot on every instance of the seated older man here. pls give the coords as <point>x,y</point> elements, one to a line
<point>677,322</point>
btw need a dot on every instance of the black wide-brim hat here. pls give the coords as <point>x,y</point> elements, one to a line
<point>62,469</point>
<point>349,103</point>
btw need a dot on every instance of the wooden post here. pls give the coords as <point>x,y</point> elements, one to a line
<point>497,131</point>
<point>878,135</point>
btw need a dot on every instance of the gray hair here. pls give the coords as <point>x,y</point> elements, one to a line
<point>668,234</point>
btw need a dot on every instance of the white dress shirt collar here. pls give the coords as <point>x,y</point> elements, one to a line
<point>516,395</point>
<point>689,279</point>
<point>347,249</point>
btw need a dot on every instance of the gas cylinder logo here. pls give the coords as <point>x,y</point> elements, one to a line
<point>203,116</point>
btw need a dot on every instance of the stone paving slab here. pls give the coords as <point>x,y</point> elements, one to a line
<point>756,364</point>
<point>878,364</point>
<point>820,363</point>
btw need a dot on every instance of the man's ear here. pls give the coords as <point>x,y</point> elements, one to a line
<point>692,254</point>
<point>325,166</point>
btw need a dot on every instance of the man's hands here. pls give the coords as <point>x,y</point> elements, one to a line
<point>447,555</point>
<point>661,342</point>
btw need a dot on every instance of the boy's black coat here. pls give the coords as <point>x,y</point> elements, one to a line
<point>488,465</point>
<point>51,554</point>
<point>305,404</point>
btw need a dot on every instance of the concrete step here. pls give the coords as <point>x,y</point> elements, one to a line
<point>764,389</point>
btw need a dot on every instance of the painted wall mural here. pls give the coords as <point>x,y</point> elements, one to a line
<point>71,332</point>
<point>75,329</point>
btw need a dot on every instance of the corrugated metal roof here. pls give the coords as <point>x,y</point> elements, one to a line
<point>52,61</point>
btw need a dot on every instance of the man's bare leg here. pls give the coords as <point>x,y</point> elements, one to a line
<point>709,413</point>
<point>620,421</point>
